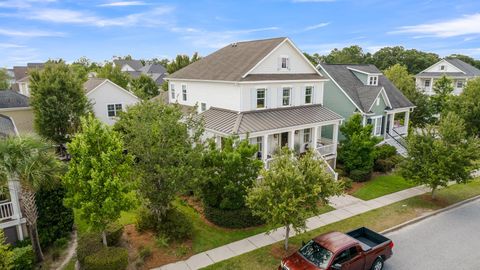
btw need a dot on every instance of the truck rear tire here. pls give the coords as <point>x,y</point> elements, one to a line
<point>377,264</point>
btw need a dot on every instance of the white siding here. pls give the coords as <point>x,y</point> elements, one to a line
<point>214,94</point>
<point>297,63</point>
<point>109,93</point>
<point>448,67</point>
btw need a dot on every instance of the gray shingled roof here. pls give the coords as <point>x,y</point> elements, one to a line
<point>153,68</point>
<point>355,88</point>
<point>135,64</point>
<point>7,128</point>
<point>232,122</point>
<point>19,72</point>
<point>229,63</point>
<point>12,99</point>
<point>366,68</point>
<point>470,71</point>
<point>92,83</point>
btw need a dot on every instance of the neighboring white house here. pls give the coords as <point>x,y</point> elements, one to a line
<point>12,221</point>
<point>264,89</point>
<point>108,99</point>
<point>455,69</point>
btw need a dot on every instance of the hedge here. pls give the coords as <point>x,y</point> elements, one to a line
<point>360,175</point>
<point>23,258</point>
<point>109,258</point>
<point>114,233</point>
<point>87,245</point>
<point>239,218</point>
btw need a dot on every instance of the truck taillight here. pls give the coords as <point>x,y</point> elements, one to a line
<point>391,245</point>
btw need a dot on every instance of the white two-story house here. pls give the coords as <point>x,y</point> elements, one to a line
<point>265,90</point>
<point>455,69</point>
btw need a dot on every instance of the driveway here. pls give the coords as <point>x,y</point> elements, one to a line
<point>450,240</point>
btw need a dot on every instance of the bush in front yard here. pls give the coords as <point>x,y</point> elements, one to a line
<point>360,175</point>
<point>114,234</point>
<point>87,245</point>
<point>384,151</point>
<point>23,258</point>
<point>175,224</point>
<point>385,158</point>
<point>108,258</point>
<point>239,218</point>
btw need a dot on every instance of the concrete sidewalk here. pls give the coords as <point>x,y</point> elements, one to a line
<point>346,206</point>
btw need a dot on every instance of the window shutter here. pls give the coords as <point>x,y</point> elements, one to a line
<point>253,99</point>
<point>267,98</point>
<point>292,96</point>
<point>314,95</point>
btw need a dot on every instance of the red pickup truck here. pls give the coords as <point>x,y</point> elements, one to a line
<point>360,249</point>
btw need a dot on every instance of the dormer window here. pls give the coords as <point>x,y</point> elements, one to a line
<point>373,80</point>
<point>284,62</point>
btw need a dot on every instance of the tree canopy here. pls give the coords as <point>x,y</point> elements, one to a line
<point>99,176</point>
<point>443,89</point>
<point>4,79</point>
<point>348,55</point>
<point>114,74</point>
<point>58,101</point>
<point>181,61</point>
<point>144,87</point>
<point>467,106</point>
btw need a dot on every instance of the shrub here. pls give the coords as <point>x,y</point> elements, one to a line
<point>347,182</point>
<point>54,219</point>
<point>114,234</point>
<point>384,165</point>
<point>162,241</point>
<point>60,243</point>
<point>239,218</point>
<point>108,258</point>
<point>360,175</point>
<point>23,258</point>
<point>146,220</point>
<point>384,151</point>
<point>176,225</point>
<point>144,253</point>
<point>87,245</point>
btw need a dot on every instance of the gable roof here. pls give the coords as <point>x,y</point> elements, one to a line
<point>7,126</point>
<point>231,62</point>
<point>368,69</point>
<point>135,64</point>
<point>19,72</point>
<point>153,68</point>
<point>233,122</point>
<point>363,95</point>
<point>12,99</point>
<point>467,69</point>
<point>92,83</point>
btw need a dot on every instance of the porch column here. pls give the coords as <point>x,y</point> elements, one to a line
<point>335,136</point>
<point>265,147</point>
<point>392,123</point>
<point>14,189</point>
<point>314,137</point>
<point>218,141</point>
<point>291,140</point>
<point>407,120</point>
<point>364,120</point>
<point>19,231</point>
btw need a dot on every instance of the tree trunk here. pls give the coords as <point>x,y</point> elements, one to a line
<point>104,238</point>
<point>30,212</point>
<point>287,234</point>
<point>434,195</point>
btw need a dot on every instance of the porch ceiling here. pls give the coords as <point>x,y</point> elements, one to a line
<point>232,122</point>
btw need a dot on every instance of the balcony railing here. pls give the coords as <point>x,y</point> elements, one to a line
<point>6,211</point>
<point>326,150</point>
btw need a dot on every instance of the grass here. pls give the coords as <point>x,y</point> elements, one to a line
<point>71,264</point>
<point>379,219</point>
<point>382,185</point>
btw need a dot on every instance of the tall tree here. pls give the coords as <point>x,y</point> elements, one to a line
<point>181,61</point>
<point>443,89</point>
<point>229,172</point>
<point>437,157</point>
<point>467,106</point>
<point>32,162</point>
<point>99,175</point>
<point>144,87</point>
<point>114,74</point>
<point>414,60</point>
<point>4,79</point>
<point>58,101</point>
<point>166,145</point>
<point>423,113</point>
<point>348,55</point>
<point>290,189</point>
<point>356,151</point>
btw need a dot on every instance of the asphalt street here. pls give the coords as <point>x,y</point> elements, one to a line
<point>449,240</point>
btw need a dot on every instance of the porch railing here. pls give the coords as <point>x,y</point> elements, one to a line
<point>401,130</point>
<point>329,168</point>
<point>6,211</point>
<point>326,150</point>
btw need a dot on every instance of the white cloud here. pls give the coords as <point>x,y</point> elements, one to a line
<point>466,25</point>
<point>316,26</point>
<point>29,33</point>
<point>23,3</point>
<point>11,45</point>
<point>123,4</point>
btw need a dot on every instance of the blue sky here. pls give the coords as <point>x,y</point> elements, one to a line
<point>36,30</point>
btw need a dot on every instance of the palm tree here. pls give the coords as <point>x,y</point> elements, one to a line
<point>31,161</point>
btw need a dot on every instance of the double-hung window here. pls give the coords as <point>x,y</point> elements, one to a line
<point>284,62</point>
<point>377,126</point>
<point>286,93</point>
<point>203,106</point>
<point>306,135</point>
<point>427,83</point>
<point>459,84</point>
<point>184,92</point>
<point>261,95</point>
<point>172,90</point>
<point>113,109</point>
<point>308,94</point>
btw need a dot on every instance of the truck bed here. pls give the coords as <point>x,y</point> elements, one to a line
<point>368,239</point>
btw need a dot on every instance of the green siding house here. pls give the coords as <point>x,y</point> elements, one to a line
<point>364,89</point>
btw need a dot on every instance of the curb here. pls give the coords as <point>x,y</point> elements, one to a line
<point>434,213</point>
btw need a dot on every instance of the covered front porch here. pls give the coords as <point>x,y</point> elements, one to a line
<point>10,215</point>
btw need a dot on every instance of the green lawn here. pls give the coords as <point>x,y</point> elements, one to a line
<point>382,185</point>
<point>379,219</point>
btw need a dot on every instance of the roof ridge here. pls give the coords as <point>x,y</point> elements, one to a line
<point>238,121</point>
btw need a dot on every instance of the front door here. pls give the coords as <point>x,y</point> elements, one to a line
<point>284,139</point>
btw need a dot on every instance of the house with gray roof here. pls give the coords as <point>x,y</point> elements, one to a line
<point>265,90</point>
<point>455,69</point>
<point>136,68</point>
<point>365,90</point>
<point>17,107</point>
